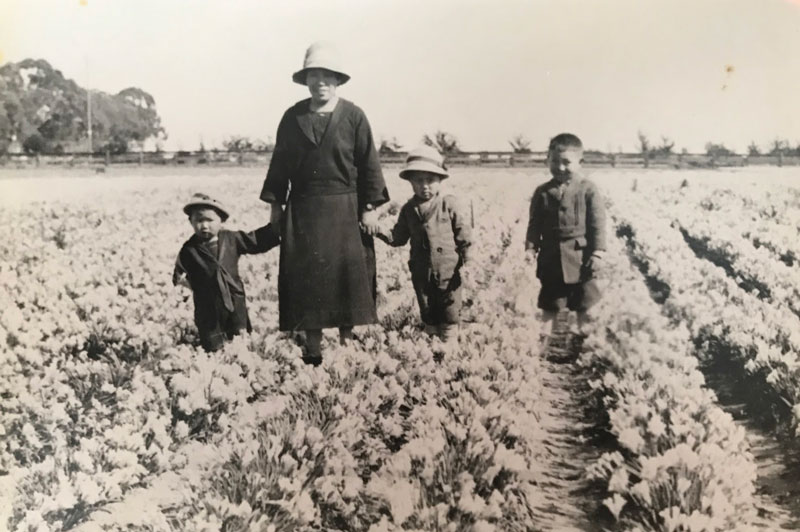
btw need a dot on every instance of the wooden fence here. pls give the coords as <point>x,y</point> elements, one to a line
<point>482,159</point>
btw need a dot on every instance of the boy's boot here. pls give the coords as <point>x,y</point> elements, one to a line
<point>548,328</point>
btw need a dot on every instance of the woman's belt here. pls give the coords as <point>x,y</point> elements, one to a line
<point>320,191</point>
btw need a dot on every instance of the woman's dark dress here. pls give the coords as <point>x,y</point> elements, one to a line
<point>325,169</point>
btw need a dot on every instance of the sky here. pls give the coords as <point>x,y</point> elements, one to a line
<point>693,71</point>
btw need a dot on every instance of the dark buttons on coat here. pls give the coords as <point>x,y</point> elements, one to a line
<point>439,250</point>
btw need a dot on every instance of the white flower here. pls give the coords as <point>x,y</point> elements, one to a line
<point>615,504</point>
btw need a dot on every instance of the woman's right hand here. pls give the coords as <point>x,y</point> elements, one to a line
<point>275,214</point>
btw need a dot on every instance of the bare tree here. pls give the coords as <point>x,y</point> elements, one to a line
<point>520,144</point>
<point>752,150</point>
<point>644,144</point>
<point>644,148</point>
<point>779,147</point>
<point>665,148</point>
<point>718,150</point>
<point>443,141</point>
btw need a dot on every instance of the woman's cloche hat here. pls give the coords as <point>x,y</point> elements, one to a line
<point>425,159</point>
<point>204,200</point>
<point>321,55</point>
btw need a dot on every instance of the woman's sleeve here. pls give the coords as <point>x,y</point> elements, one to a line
<point>276,184</point>
<point>371,185</point>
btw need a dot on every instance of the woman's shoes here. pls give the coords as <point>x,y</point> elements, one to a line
<point>312,360</point>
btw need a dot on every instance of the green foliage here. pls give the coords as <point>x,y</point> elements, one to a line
<point>34,145</point>
<point>36,99</point>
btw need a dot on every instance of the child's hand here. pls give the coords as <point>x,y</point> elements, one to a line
<point>594,265</point>
<point>530,254</point>
<point>467,275</point>
<point>183,281</point>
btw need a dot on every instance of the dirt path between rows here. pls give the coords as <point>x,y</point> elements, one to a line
<point>569,500</point>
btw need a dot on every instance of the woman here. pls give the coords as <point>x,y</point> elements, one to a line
<point>325,170</point>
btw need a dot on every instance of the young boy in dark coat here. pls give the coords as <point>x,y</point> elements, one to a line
<point>208,263</point>
<point>439,228</point>
<point>566,232</point>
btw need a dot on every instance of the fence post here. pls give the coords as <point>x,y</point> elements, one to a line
<point>780,158</point>
<point>613,160</point>
<point>141,157</point>
<point>646,160</point>
<point>108,157</point>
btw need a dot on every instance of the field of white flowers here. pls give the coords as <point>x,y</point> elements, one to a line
<point>112,418</point>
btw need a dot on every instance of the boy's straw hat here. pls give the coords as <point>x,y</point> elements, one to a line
<point>321,55</point>
<point>204,200</point>
<point>425,159</point>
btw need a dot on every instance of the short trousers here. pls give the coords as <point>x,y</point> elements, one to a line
<point>557,295</point>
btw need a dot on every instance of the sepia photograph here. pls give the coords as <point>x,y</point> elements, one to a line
<point>399,265</point>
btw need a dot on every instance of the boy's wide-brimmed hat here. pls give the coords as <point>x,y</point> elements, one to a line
<point>425,159</point>
<point>204,200</point>
<point>321,55</point>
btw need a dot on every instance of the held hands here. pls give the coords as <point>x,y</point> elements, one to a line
<point>531,252</point>
<point>183,281</point>
<point>369,223</point>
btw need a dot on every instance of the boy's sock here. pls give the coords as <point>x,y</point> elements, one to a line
<point>585,320</point>
<point>549,319</point>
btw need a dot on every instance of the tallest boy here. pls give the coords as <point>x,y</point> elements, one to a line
<point>566,232</point>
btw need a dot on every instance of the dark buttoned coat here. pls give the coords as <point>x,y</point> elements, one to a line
<point>566,224</point>
<point>327,268</point>
<point>219,297</point>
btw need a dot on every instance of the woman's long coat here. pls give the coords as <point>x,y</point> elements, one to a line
<point>327,266</point>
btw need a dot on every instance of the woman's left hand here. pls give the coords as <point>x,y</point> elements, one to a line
<point>369,222</point>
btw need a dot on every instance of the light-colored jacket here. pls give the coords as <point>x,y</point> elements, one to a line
<point>440,233</point>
